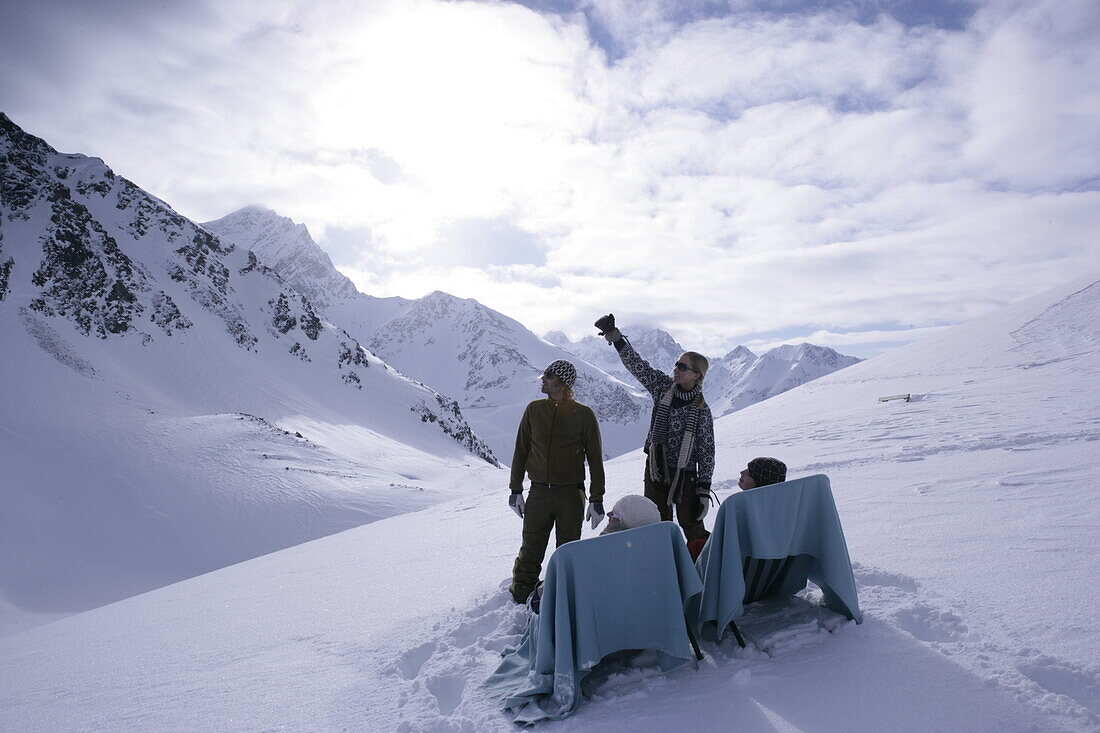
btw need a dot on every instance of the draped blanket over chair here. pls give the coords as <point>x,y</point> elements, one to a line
<point>627,590</point>
<point>770,541</point>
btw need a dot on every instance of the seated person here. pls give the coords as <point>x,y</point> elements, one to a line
<point>633,510</point>
<point>760,472</point>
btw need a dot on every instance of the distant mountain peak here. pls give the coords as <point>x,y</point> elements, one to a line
<point>558,338</point>
<point>739,353</point>
<point>287,247</point>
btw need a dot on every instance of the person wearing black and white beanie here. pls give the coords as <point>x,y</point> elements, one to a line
<point>556,436</point>
<point>763,471</point>
<point>680,443</point>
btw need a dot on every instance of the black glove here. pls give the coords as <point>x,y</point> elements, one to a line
<point>704,506</point>
<point>515,500</point>
<point>606,323</point>
<point>594,513</point>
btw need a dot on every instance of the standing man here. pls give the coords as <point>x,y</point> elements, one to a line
<point>555,437</point>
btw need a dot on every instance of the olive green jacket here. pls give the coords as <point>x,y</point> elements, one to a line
<point>553,441</point>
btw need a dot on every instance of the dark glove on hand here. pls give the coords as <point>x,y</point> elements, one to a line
<point>704,507</point>
<point>606,323</point>
<point>517,503</point>
<point>594,513</point>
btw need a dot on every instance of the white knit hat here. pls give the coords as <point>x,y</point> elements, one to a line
<point>634,510</point>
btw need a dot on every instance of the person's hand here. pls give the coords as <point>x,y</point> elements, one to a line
<point>516,502</point>
<point>606,326</point>
<point>704,506</point>
<point>594,513</point>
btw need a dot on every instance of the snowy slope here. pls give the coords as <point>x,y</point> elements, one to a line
<point>485,360</point>
<point>970,512</point>
<point>170,405</point>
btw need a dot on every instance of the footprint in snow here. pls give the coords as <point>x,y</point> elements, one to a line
<point>868,576</point>
<point>1062,678</point>
<point>447,690</point>
<point>410,663</point>
<point>928,624</point>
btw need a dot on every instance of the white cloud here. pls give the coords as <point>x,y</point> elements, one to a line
<point>726,177</point>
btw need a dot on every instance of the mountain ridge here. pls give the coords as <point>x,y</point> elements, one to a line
<point>125,324</point>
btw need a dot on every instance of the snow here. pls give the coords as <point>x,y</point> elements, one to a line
<point>170,406</point>
<point>970,512</point>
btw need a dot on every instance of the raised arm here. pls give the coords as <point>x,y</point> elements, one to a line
<point>655,382</point>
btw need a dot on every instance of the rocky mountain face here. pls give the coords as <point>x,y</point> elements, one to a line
<point>464,348</point>
<point>87,248</point>
<point>171,405</point>
<point>489,363</point>
<point>289,250</point>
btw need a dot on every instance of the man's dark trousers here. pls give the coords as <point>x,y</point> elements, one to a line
<point>558,507</point>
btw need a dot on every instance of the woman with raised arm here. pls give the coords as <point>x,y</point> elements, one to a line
<point>680,443</point>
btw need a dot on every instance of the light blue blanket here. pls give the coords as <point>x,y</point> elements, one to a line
<point>626,590</point>
<point>793,518</point>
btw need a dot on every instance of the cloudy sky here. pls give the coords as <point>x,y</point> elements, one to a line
<point>855,173</point>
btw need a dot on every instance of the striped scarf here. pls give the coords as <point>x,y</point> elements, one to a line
<point>658,434</point>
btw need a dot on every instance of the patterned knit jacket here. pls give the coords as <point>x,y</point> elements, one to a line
<point>657,383</point>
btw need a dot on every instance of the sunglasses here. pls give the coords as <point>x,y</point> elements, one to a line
<point>682,367</point>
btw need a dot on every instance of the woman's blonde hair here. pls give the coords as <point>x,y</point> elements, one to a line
<point>699,363</point>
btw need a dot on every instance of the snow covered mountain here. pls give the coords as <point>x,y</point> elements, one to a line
<point>734,381</point>
<point>289,250</point>
<point>488,362</point>
<point>742,379</point>
<point>171,405</point>
<point>656,346</point>
<point>970,513</point>
<point>494,363</point>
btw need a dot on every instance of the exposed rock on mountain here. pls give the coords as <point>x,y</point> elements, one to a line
<point>288,248</point>
<point>130,337</point>
<point>117,262</point>
<point>485,361</point>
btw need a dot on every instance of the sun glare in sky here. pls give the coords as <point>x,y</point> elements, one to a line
<point>754,173</point>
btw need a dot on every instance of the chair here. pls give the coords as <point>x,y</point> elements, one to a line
<point>622,591</point>
<point>770,541</point>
